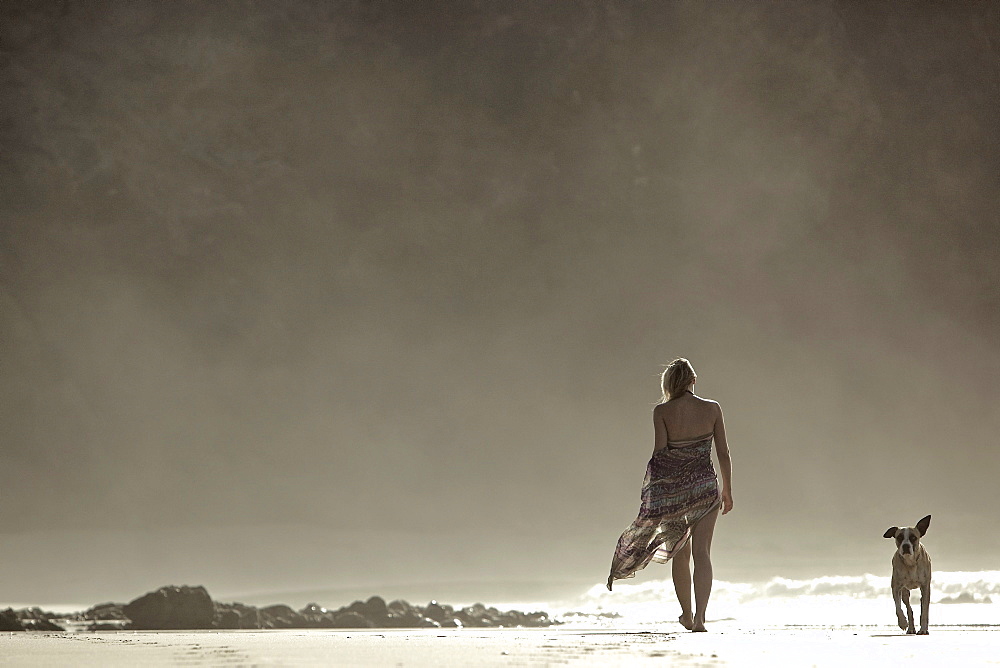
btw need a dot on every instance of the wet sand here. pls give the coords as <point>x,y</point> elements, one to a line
<point>726,644</point>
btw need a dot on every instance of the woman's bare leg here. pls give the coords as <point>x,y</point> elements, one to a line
<point>701,549</point>
<point>680,566</point>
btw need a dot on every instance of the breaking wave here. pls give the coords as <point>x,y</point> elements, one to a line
<point>967,596</point>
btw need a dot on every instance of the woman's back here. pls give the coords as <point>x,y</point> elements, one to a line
<point>687,416</point>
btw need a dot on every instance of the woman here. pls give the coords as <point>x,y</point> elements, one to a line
<point>680,494</point>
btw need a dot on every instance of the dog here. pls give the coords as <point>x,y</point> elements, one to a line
<point>911,568</point>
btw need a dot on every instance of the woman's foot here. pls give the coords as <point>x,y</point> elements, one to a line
<point>686,621</point>
<point>698,626</point>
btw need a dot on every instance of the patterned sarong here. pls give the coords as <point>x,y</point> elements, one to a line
<point>679,489</point>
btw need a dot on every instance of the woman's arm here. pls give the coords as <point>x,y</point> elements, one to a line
<point>725,461</point>
<point>659,429</point>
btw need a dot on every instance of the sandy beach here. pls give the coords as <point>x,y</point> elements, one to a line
<point>728,644</point>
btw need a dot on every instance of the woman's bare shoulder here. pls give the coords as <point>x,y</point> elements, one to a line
<point>709,403</point>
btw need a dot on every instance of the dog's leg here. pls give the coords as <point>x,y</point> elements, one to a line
<point>909,611</point>
<point>896,595</point>
<point>925,607</point>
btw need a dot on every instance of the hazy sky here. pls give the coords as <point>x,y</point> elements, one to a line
<point>306,296</point>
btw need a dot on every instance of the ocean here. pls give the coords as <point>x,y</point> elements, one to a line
<point>958,598</point>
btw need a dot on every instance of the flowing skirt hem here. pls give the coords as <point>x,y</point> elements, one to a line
<point>660,554</point>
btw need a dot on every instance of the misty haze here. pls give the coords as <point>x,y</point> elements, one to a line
<point>309,301</point>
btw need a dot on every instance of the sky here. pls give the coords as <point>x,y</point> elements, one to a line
<point>309,299</point>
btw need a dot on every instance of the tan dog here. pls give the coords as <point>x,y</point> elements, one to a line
<point>911,568</point>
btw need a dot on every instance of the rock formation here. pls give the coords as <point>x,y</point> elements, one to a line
<point>185,607</point>
<point>172,608</point>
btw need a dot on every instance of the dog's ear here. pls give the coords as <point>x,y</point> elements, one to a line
<point>923,525</point>
<point>890,532</point>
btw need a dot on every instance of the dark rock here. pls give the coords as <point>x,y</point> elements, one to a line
<point>358,607</point>
<point>435,611</point>
<point>317,617</point>
<point>33,613</point>
<point>41,625</point>
<point>480,615</point>
<point>398,607</point>
<point>9,621</point>
<point>36,619</point>
<point>467,619</point>
<point>249,617</point>
<point>474,615</point>
<point>518,618</point>
<point>192,608</point>
<point>506,620</point>
<point>172,608</point>
<point>376,610</point>
<point>227,619</point>
<point>281,617</point>
<point>237,616</point>
<point>352,620</point>
<point>537,619</point>
<point>403,615</point>
<point>105,611</point>
<point>279,610</point>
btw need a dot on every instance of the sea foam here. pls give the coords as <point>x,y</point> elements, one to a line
<point>957,597</point>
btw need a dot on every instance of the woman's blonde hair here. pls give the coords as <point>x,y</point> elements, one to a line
<point>677,377</point>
